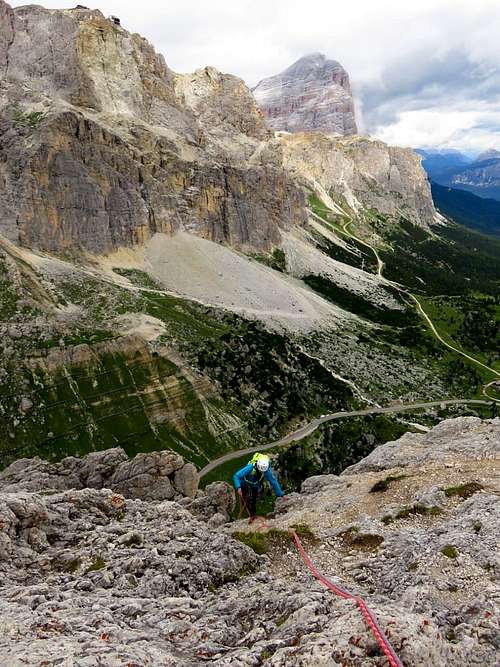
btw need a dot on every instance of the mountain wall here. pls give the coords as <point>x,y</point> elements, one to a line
<point>103,145</point>
<point>365,173</point>
<point>312,95</point>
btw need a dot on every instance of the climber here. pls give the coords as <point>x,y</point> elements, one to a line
<point>249,482</point>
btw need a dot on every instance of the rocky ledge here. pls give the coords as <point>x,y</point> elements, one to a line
<point>90,577</point>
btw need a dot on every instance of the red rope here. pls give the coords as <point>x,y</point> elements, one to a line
<point>370,619</point>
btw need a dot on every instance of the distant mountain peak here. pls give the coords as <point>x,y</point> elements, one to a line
<point>312,94</point>
<point>490,154</point>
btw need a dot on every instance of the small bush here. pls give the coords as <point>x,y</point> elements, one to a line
<point>71,566</point>
<point>261,543</point>
<point>31,119</point>
<point>133,540</point>
<point>97,564</point>
<point>354,538</point>
<point>278,260</point>
<point>449,551</point>
<point>463,490</point>
<point>383,484</point>
<point>303,530</point>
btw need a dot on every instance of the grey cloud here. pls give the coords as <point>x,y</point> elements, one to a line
<point>425,81</point>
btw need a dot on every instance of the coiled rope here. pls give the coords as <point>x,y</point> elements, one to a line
<point>367,614</point>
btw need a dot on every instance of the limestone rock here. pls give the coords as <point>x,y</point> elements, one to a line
<point>316,483</point>
<point>374,175</point>
<point>98,467</point>
<point>153,476</point>
<point>450,440</point>
<point>311,95</point>
<point>102,578</point>
<point>144,149</point>
<point>146,476</point>
<point>218,498</point>
<point>186,480</point>
<point>221,102</point>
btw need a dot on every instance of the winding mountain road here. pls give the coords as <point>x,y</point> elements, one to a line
<point>313,425</point>
<point>455,349</point>
<point>420,309</point>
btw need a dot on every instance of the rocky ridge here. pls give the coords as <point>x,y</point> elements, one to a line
<point>116,147</point>
<point>482,177</point>
<point>312,95</point>
<point>89,575</point>
<point>364,174</point>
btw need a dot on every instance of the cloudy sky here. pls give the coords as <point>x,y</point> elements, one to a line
<point>424,73</point>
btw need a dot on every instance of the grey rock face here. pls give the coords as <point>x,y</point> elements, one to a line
<point>147,476</point>
<point>218,499</point>
<point>107,580</point>
<point>186,480</point>
<point>6,34</point>
<point>451,440</point>
<point>312,95</point>
<point>112,156</point>
<point>316,483</point>
<point>373,174</point>
<point>153,476</point>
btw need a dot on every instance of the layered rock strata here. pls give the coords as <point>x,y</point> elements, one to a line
<point>103,145</point>
<point>312,95</point>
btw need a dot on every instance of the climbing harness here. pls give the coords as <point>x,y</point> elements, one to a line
<point>368,615</point>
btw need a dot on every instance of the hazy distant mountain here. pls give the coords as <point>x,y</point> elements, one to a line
<point>481,175</point>
<point>438,163</point>
<point>313,94</point>
<point>474,212</point>
<point>491,154</point>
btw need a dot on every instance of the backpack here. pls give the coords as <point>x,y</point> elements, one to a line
<point>254,459</point>
<point>253,462</point>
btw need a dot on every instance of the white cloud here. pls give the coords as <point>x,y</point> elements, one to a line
<point>407,61</point>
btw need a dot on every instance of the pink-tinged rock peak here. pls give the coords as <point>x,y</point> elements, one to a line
<point>311,95</point>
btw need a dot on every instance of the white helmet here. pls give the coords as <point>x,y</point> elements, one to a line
<point>263,463</point>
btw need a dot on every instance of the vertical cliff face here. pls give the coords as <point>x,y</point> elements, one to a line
<point>79,57</point>
<point>102,145</point>
<point>313,94</point>
<point>365,173</point>
<point>6,34</point>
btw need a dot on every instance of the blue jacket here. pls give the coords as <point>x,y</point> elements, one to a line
<point>251,477</point>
